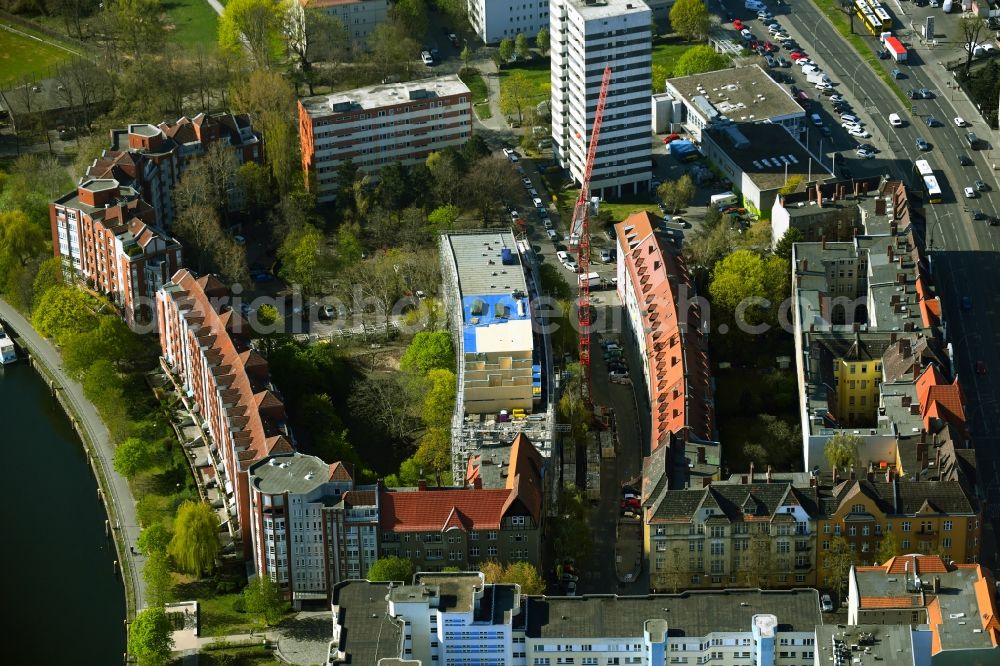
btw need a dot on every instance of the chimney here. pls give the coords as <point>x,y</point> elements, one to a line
<point>922,454</point>
<point>819,196</point>
<point>812,481</point>
<point>810,193</point>
<point>855,188</point>
<point>477,483</point>
<point>823,239</point>
<point>422,484</point>
<point>871,471</point>
<point>893,227</point>
<point>879,206</point>
<point>701,455</point>
<point>937,459</point>
<point>854,477</point>
<point>916,370</point>
<point>936,585</point>
<point>768,476</point>
<point>888,253</point>
<point>892,338</point>
<point>744,479</point>
<point>836,475</point>
<point>895,494</point>
<point>805,265</point>
<point>751,471</point>
<point>888,473</point>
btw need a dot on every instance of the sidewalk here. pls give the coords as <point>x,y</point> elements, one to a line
<point>121,512</point>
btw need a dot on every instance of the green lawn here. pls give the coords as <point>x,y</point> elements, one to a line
<point>193,22</point>
<point>617,210</point>
<point>23,56</point>
<point>666,53</point>
<point>473,79</point>
<point>538,72</point>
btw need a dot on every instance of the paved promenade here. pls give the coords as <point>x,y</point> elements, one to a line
<point>122,511</point>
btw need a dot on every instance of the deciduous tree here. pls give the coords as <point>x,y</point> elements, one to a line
<point>389,569</point>
<point>195,544</point>
<point>505,51</point>
<point>888,547</point>
<point>698,59</point>
<point>843,451</point>
<point>315,36</point>
<point>971,28</point>
<point>677,194</point>
<point>542,40</point>
<point>521,47</point>
<point>784,247</point>
<point>837,563</point>
<point>20,239</point>
<point>490,182</point>
<point>439,401</point>
<point>301,257</point>
<point>262,597</point>
<point>154,538</point>
<point>742,277</point>
<point>132,456</point>
<point>159,581</point>
<point>149,639</point>
<point>270,100</point>
<point>515,94</point>
<point>515,573</point>
<point>251,24</point>
<point>64,311</point>
<point>433,456</point>
<point>690,18</point>
<point>136,26</point>
<point>443,218</point>
<point>428,351</point>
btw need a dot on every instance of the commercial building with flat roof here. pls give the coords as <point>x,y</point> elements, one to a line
<point>760,159</point>
<point>587,36</point>
<point>459,618</point>
<point>379,125</point>
<point>740,95</point>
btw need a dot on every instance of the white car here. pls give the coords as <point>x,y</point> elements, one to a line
<point>848,118</point>
<point>514,216</point>
<point>969,193</point>
<point>547,223</point>
<point>427,58</point>
<point>551,233</point>
<point>526,182</point>
<point>859,132</point>
<point>960,121</point>
<point>834,99</point>
<point>774,28</point>
<point>824,85</point>
<point>511,154</point>
<point>802,62</point>
<point>865,154</point>
<point>538,202</point>
<point>826,603</point>
<point>811,69</point>
<point>571,266</point>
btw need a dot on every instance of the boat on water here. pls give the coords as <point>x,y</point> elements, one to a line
<point>8,353</point>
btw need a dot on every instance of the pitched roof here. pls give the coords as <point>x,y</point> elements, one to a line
<point>340,471</point>
<point>434,510</point>
<point>940,402</point>
<point>524,476</point>
<point>759,500</point>
<point>679,380</point>
<point>907,497</point>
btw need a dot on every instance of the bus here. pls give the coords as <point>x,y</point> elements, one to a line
<point>875,17</point>
<point>929,183</point>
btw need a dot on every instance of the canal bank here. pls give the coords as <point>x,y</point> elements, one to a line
<point>113,488</point>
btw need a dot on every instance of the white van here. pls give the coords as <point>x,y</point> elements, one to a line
<point>724,199</point>
<point>946,6</point>
<point>895,120</point>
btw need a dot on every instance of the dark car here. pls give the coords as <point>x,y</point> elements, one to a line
<point>922,145</point>
<point>932,121</point>
<point>964,160</point>
<point>925,93</point>
<point>966,303</point>
<point>981,186</point>
<point>913,93</point>
<point>795,90</point>
<point>978,215</point>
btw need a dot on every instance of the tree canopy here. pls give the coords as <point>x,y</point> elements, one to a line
<point>159,581</point>
<point>391,568</point>
<point>195,544</point>
<point>742,277</point>
<point>889,547</point>
<point>132,456</point>
<point>254,24</point>
<point>698,59</point>
<point>149,639</point>
<point>154,539</point>
<point>690,18</point>
<point>515,573</point>
<point>842,450</point>
<point>428,350</point>
<point>262,597</point>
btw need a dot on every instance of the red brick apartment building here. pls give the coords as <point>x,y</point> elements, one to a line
<point>151,158</point>
<point>207,345</point>
<point>106,235</point>
<point>379,125</point>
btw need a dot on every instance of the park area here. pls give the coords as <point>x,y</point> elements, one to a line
<point>193,22</point>
<point>27,56</point>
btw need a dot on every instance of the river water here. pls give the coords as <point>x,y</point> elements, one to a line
<point>64,603</point>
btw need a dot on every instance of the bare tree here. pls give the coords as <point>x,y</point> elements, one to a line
<point>971,28</point>
<point>221,166</point>
<point>490,182</point>
<point>315,36</point>
<point>82,85</point>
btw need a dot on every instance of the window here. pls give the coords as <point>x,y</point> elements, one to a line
<point>946,542</point>
<point>947,526</point>
<point>718,531</point>
<point>852,531</point>
<point>836,530</point>
<point>906,543</point>
<point>865,530</point>
<point>826,544</point>
<point>473,536</point>
<point>491,535</point>
<point>906,526</point>
<point>718,548</point>
<point>826,529</point>
<point>858,508</point>
<point>696,579</point>
<point>783,546</point>
<point>492,551</point>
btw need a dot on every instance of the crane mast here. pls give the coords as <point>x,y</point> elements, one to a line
<point>580,228</point>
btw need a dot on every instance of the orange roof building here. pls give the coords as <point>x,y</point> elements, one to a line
<point>206,344</point>
<point>941,402</point>
<point>655,287</point>
<point>958,602</point>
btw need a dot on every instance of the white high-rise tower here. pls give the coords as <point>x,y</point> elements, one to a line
<point>586,36</point>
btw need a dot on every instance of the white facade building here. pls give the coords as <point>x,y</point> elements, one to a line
<point>358,16</point>
<point>307,532</point>
<point>456,618</point>
<point>493,20</point>
<point>586,36</point>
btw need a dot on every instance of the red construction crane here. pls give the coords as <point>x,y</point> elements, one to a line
<point>580,231</point>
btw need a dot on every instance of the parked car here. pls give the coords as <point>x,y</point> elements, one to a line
<point>551,233</point>
<point>427,58</point>
<point>606,255</point>
<point>826,603</point>
<point>511,154</point>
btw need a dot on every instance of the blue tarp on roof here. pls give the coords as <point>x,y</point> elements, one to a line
<point>486,310</point>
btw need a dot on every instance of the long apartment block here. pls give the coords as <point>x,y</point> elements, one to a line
<point>586,36</point>
<point>379,125</point>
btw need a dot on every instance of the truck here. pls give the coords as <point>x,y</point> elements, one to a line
<point>724,199</point>
<point>818,77</point>
<point>592,279</point>
<point>895,48</point>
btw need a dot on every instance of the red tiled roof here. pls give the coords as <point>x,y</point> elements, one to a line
<point>360,497</point>
<point>940,401</point>
<point>525,476</point>
<point>889,602</point>
<point>679,382</point>
<point>925,564</point>
<point>432,510</point>
<point>340,472</point>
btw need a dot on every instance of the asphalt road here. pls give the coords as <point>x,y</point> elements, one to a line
<point>963,253</point>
